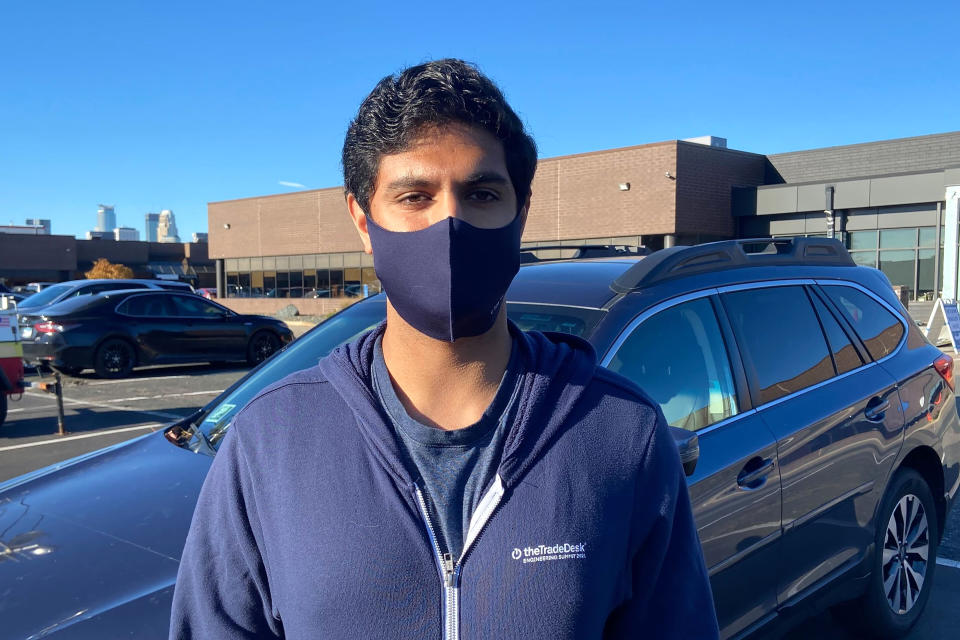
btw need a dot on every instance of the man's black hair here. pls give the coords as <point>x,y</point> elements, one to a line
<point>433,94</point>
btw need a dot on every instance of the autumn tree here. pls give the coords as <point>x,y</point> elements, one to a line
<point>104,269</point>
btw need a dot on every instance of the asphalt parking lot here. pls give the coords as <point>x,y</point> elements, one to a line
<point>99,413</point>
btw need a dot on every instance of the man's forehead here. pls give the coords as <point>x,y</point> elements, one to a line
<point>464,154</point>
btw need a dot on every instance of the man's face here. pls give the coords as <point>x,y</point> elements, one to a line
<point>455,171</point>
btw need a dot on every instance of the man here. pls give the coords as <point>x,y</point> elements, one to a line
<point>445,475</point>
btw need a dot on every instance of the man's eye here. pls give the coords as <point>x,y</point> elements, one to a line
<point>413,198</point>
<point>484,196</point>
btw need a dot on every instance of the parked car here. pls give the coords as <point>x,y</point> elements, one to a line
<point>114,332</point>
<point>818,427</point>
<point>36,287</point>
<point>72,288</point>
<point>208,292</point>
<point>12,297</point>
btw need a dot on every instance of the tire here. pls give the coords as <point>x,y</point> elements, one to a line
<point>3,407</point>
<point>900,584</point>
<point>114,359</point>
<point>262,345</point>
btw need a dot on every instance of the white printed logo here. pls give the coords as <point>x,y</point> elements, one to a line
<point>547,553</point>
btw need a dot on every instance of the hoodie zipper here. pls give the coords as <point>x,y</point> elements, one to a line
<point>450,570</point>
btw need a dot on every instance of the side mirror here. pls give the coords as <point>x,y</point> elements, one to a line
<point>688,445</point>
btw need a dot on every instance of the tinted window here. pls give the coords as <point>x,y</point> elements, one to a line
<point>106,286</point>
<point>532,317</point>
<point>175,286</point>
<point>845,356</point>
<point>678,357</point>
<point>195,306</point>
<point>783,347</point>
<point>880,330</point>
<point>48,295</point>
<point>146,305</point>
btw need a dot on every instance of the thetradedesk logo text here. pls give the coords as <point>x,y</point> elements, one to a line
<point>546,553</point>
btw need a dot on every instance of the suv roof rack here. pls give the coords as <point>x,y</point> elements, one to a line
<point>679,261</point>
<point>584,251</point>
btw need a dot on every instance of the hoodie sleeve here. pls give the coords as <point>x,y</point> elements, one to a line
<point>222,589</point>
<point>669,588</point>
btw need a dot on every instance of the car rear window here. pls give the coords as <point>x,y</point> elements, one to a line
<point>880,330</point>
<point>72,305</point>
<point>175,286</point>
<point>541,317</point>
<point>781,340</point>
<point>48,295</point>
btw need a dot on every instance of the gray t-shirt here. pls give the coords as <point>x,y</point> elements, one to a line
<point>453,468</point>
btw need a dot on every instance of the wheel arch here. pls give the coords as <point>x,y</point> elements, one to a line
<point>924,460</point>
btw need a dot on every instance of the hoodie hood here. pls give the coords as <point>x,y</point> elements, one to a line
<point>555,370</point>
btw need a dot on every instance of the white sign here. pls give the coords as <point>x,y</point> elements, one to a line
<point>945,313</point>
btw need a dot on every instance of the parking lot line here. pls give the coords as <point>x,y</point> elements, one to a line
<point>94,384</point>
<point>153,426</point>
<point>104,405</point>
<point>945,562</point>
<point>168,395</point>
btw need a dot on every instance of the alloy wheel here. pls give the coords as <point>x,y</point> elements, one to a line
<point>116,358</point>
<point>906,547</point>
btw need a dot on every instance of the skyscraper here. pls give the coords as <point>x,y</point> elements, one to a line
<point>126,233</point>
<point>106,218</point>
<point>153,221</point>
<point>38,222</point>
<point>167,227</point>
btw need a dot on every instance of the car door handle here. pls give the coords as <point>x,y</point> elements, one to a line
<point>753,476</point>
<point>876,410</point>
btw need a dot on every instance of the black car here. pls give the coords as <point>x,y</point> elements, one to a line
<point>819,429</point>
<point>73,288</point>
<point>114,332</point>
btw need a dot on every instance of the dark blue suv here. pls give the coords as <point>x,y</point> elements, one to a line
<point>818,427</point>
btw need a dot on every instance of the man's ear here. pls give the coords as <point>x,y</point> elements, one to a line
<point>524,210</point>
<point>359,221</point>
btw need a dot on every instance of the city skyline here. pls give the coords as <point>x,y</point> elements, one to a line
<point>210,118</point>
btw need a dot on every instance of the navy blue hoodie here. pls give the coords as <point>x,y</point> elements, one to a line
<point>308,525</point>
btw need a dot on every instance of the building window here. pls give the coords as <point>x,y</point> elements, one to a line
<point>863,240</point>
<point>898,238</point>
<point>926,283</point>
<point>898,266</point>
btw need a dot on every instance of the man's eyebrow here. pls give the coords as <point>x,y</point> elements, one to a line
<point>416,182</point>
<point>408,182</point>
<point>486,177</point>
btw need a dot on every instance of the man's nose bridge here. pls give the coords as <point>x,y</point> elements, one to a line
<point>450,205</point>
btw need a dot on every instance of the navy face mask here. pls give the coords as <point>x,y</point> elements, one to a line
<point>447,280</point>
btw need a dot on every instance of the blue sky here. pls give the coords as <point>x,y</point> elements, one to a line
<point>153,105</point>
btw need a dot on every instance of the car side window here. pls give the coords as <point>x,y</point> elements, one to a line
<point>145,306</point>
<point>195,306</point>
<point>679,358</point>
<point>880,330</point>
<point>845,356</point>
<point>780,338</point>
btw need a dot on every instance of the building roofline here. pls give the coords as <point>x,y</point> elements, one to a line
<point>856,178</point>
<point>865,144</point>
<point>279,195</point>
<point>599,152</point>
<point>720,149</point>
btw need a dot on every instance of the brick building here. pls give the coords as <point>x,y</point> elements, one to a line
<point>676,192</point>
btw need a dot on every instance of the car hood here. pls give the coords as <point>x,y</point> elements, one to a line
<point>93,545</point>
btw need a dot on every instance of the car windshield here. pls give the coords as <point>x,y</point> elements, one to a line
<point>48,295</point>
<point>349,324</point>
